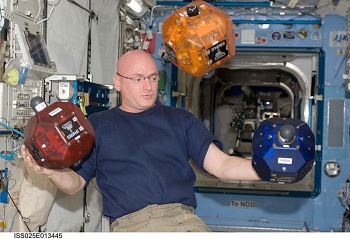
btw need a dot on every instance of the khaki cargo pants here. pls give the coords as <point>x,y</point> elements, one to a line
<point>173,217</point>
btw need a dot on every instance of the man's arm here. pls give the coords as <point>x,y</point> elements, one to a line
<point>228,167</point>
<point>66,180</point>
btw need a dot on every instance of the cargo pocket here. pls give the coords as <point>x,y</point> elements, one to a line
<point>192,223</point>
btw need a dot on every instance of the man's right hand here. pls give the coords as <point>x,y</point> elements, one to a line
<point>28,158</point>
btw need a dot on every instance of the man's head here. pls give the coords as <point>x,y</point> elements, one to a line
<point>141,95</point>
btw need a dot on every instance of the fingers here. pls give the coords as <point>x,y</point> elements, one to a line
<point>27,155</point>
<point>28,158</point>
<point>31,162</point>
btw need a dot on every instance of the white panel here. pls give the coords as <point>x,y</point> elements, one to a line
<point>2,95</point>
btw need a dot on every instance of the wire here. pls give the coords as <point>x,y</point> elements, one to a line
<point>162,58</point>
<point>345,217</point>
<point>12,222</point>
<point>17,143</point>
<point>13,129</point>
<point>24,219</point>
<point>39,11</point>
<point>14,184</point>
<point>344,196</point>
<point>12,152</point>
<point>5,188</point>
<point>152,16</point>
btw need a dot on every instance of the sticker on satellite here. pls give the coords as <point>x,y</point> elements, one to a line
<point>276,36</point>
<point>289,35</point>
<point>217,52</point>
<point>171,53</point>
<point>70,128</point>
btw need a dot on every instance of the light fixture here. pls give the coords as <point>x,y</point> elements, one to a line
<point>134,5</point>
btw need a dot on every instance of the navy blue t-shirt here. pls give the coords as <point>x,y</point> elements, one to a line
<point>140,159</point>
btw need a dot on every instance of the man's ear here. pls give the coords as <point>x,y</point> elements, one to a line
<point>116,80</point>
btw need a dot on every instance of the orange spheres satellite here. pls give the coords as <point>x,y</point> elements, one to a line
<point>198,38</point>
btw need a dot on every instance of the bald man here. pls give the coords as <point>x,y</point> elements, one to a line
<point>141,156</point>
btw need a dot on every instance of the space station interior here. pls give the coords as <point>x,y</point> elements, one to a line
<point>245,68</point>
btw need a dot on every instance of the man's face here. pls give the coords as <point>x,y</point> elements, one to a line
<point>141,95</point>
